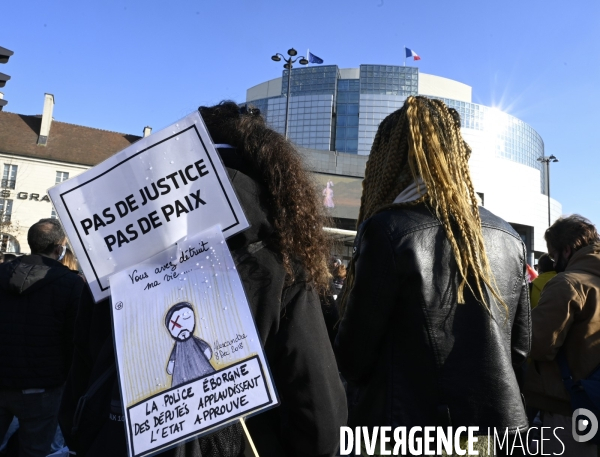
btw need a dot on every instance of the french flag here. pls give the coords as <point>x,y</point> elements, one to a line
<point>411,53</point>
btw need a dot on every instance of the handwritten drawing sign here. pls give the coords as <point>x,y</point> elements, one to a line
<point>188,354</point>
<point>143,199</point>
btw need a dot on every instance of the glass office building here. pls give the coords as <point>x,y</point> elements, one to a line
<point>338,111</point>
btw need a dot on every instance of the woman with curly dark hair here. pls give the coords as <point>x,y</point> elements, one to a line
<point>282,262</point>
<point>283,267</point>
<point>289,199</point>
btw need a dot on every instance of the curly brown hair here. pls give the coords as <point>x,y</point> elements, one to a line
<point>295,210</point>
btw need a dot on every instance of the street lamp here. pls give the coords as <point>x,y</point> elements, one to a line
<point>547,160</point>
<point>4,56</point>
<point>289,64</point>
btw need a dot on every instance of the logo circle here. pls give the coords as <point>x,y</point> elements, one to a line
<point>119,305</point>
<point>590,417</point>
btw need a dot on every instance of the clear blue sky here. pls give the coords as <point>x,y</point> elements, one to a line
<point>123,64</point>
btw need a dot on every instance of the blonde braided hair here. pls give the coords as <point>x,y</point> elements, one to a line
<point>423,139</point>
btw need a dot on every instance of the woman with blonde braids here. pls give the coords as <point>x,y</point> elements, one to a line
<point>434,314</point>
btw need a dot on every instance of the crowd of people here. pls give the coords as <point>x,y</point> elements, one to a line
<point>431,322</point>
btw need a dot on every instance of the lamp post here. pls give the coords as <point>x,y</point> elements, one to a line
<point>289,63</point>
<point>4,56</point>
<point>547,160</point>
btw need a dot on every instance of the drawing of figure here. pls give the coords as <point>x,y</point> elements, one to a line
<point>328,194</point>
<point>190,357</point>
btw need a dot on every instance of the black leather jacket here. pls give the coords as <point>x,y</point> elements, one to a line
<point>411,354</point>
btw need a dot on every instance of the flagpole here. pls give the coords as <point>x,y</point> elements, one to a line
<point>307,55</point>
<point>405,55</point>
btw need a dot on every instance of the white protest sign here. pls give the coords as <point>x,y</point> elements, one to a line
<point>188,354</point>
<point>143,199</point>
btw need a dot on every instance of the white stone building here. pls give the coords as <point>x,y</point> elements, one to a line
<point>36,153</point>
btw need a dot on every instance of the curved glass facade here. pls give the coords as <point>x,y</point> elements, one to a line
<point>513,139</point>
<point>330,111</point>
<point>347,109</point>
<point>311,80</point>
<point>389,80</point>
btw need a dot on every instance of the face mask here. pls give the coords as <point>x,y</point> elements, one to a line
<point>62,254</point>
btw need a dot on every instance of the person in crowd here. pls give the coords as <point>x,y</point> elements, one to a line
<point>566,322</point>
<point>40,298</point>
<point>328,306</point>
<point>70,261</point>
<point>1,257</point>
<point>432,327</point>
<point>545,268</point>
<point>9,257</point>
<point>339,276</point>
<point>282,262</point>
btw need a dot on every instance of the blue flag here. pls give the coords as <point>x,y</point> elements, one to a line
<point>313,58</point>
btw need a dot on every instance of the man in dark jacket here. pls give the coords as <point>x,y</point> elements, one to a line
<point>39,298</point>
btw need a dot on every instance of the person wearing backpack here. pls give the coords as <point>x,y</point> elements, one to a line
<point>566,322</point>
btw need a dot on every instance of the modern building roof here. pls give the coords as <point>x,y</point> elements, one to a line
<point>69,143</point>
<point>431,85</point>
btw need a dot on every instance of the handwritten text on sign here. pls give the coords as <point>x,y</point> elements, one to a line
<point>150,277</point>
<point>188,353</point>
<point>189,409</point>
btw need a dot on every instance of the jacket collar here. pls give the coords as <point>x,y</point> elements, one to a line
<point>587,260</point>
<point>30,272</point>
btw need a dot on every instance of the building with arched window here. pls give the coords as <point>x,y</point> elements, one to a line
<point>334,114</point>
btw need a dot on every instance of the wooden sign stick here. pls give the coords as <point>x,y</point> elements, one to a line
<point>250,450</point>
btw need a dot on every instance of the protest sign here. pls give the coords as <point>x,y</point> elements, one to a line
<point>189,357</point>
<point>145,198</point>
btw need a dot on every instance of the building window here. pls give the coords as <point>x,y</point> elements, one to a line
<point>482,197</point>
<point>388,80</point>
<point>9,243</point>
<point>9,177</point>
<point>346,131</point>
<point>61,176</point>
<point>5,210</point>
